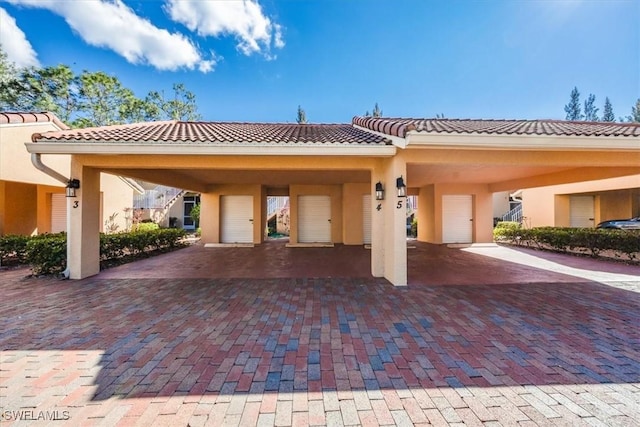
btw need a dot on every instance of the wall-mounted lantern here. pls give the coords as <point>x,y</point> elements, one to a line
<point>379,191</point>
<point>72,186</point>
<point>402,189</point>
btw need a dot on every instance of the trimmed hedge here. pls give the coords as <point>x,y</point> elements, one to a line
<point>589,241</point>
<point>137,243</point>
<point>47,253</point>
<point>13,249</point>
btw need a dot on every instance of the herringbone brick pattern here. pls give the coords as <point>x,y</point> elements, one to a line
<point>282,352</point>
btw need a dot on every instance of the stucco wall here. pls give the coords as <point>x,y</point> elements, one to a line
<point>210,211</point>
<point>15,160</point>
<point>501,203</point>
<point>426,214</point>
<point>29,190</point>
<point>2,206</point>
<point>19,208</point>
<point>430,211</point>
<point>615,205</point>
<point>549,206</point>
<point>116,197</point>
<point>353,213</point>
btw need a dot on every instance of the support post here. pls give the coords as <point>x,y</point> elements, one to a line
<point>84,227</point>
<point>395,223</point>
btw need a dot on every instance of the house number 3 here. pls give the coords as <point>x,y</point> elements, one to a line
<point>76,204</point>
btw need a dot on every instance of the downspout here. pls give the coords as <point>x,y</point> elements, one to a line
<point>37,162</point>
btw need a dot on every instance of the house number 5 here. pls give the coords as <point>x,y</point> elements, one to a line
<point>399,205</point>
<point>76,204</point>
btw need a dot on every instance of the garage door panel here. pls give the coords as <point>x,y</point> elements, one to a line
<point>236,219</point>
<point>457,218</point>
<point>582,211</point>
<point>58,213</point>
<point>314,219</point>
<point>366,219</point>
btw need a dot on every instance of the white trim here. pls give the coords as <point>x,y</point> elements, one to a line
<point>308,149</point>
<point>524,142</point>
<point>131,183</point>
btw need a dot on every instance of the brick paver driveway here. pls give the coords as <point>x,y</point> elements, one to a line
<point>317,351</point>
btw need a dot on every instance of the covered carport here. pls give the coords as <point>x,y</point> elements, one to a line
<point>453,165</point>
<point>235,166</point>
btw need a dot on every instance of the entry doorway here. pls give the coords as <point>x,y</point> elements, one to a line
<point>188,203</point>
<point>278,224</point>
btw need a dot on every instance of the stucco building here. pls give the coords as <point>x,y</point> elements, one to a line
<point>331,174</point>
<point>32,202</point>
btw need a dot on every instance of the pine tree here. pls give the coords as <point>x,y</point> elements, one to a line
<point>302,116</point>
<point>573,107</point>
<point>635,113</point>
<point>607,113</point>
<point>590,109</point>
<point>377,112</point>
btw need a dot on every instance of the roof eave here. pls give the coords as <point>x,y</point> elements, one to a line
<point>220,150</point>
<point>522,141</point>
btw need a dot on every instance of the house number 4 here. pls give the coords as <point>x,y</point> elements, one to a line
<point>76,204</point>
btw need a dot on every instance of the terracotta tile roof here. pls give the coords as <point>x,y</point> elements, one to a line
<point>173,132</point>
<point>24,117</point>
<point>400,127</point>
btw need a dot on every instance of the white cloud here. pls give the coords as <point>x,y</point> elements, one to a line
<point>113,25</point>
<point>242,19</point>
<point>14,42</point>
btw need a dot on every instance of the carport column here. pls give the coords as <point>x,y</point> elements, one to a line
<point>377,224</point>
<point>84,227</point>
<point>395,223</point>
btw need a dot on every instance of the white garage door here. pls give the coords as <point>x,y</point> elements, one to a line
<point>314,219</point>
<point>581,211</point>
<point>366,219</point>
<point>236,222</point>
<point>457,218</point>
<point>58,213</point>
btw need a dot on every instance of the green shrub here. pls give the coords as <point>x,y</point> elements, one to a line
<point>13,249</point>
<point>195,214</point>
<point>145,226</point>
<point>504,229</point>
<point>589,241</point>
<point>47,253</point>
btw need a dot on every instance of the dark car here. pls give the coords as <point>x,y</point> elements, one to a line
<point>624,224</point>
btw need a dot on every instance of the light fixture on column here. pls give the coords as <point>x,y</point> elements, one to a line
<point>72,186</point>
<point>402,189</point>
<point>379,191</point>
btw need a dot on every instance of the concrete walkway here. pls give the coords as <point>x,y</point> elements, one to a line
<point>123,350</point>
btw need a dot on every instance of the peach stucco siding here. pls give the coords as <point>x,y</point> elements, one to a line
<point>430,220</point>
<point>614,198</point>
<point>435,158</point>
<point>25,192</point>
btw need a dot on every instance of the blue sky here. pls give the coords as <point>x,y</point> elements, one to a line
<point>259,60</point>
